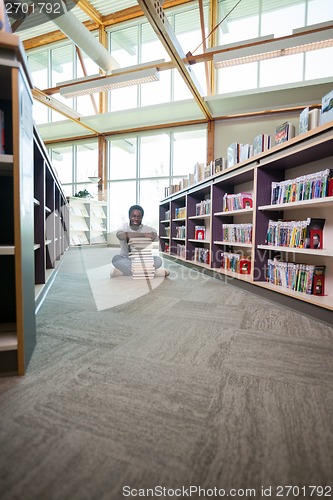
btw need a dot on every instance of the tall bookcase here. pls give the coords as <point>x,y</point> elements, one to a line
<point>305,154</point>
<point>23,185</point>
<point>88,221</point>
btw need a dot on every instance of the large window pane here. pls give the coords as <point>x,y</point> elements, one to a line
<point>319,11</point>
<point>282,21</point>
<point>87,161</point>
<point>156,92</point>
<point>189,148</point>
<point>155,156</point>
<point>317,64</point>
<point>281,70</point>
<point>122,195</point>
<point>232,79</point>
<point>151,47</point>
<point>62,160</point>
<point>122,154</point>
<point>124,46</point>
<point>151,193</point>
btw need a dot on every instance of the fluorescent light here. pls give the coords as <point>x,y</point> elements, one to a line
<point>276,48</point>
<point>110,83</point>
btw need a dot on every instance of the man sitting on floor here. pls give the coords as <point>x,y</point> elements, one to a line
<point>134,229</point>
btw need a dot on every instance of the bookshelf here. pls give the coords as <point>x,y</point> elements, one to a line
<point>88,221</point>
<point>302,155</point>
<point>24,180</point>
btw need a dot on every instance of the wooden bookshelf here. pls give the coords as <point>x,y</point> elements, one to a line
<point>22,211</point>
<point>309,153</point>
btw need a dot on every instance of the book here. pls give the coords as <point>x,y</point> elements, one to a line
<point>284,132</point>
<point>219,165</point>
<point>142,260</point>
<point>304,121</point>
<point>261,143</point>
<point>327,108</point>
<point>200,232</point>
<point>318,285</point>
<point>308,120</point>
<point>314,235</point>
<point>233,154</point>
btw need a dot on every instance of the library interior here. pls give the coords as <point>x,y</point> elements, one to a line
<point>166,249</point>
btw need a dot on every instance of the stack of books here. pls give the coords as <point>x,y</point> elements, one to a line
<point>142,261</point>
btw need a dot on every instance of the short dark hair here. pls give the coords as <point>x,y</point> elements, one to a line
<point>135,207</point>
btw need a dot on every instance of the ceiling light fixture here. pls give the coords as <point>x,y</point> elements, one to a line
<point>110,83</point>
<point>275,48</point>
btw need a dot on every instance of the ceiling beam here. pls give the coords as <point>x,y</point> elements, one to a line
<point>91,11</point>
<point>61,108</point>
<point>167,37</point>
<point>108,20</point>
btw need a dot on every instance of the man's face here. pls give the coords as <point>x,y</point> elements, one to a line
<point>135,218</point>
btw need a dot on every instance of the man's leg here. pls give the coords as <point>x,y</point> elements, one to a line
<point>123,264</point>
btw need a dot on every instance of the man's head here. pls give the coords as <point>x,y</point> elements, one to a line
<point>135,214</point>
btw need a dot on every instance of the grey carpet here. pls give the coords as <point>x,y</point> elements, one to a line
<point>196,383</point>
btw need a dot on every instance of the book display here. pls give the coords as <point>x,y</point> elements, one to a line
<point>88,221</point>
<point>32,211</point>
<point>270,222</point>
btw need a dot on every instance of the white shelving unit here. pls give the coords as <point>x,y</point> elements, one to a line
<point>88,221</point>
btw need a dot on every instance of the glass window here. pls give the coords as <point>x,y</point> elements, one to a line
<point>155,156</point>
<point>150,194</point>
<point>38,65</point>
<point>40,113</point>
<point>189,147</point>
<point>281,70</point>
<point>232,79</point>
<point>122,194</point>
<point>317,64</point>
<point>87,161</point>
<point>156,92</point>
<point>282,20</point>
<point>151,47</point>
<point>62,160</point>
<point>319,11</point>
<point>122,154</point>
<point>124,46</point>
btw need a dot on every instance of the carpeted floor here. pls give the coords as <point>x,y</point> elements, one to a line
<point>189,384</point>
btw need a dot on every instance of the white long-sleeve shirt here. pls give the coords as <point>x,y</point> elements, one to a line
<point>126,228</point>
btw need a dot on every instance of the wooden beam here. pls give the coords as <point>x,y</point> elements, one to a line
<point>60,108</point>
<point>90,11</point>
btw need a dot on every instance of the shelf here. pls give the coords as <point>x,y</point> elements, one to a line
<point>7,250</point>
<point>318,300</point>
<point>198,241</point>
<point>206,216</point>
<point>179,239</point>
<point>165,221</point>
<point>230,213</point>
<point>165,238</point>
<point>233,244</point>
<point>307,251</point>
<point>8,337</point>
<point>36,246</point>
<point>47,209</point>
<point>179,219</point>
<point>232,274</point>
<point>36,202</point>
<point>314,203</point>
<point>6,164</point>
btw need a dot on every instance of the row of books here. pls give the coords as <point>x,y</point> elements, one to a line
<point>181,251</point>
<point>202,255</point>
<point>237,233</point>
<point>236,201</point>
<point>180,231</point>
<point>303,278</point>
<point>296,234</point>
<point>306,187</point>
<point>203,207</point>
<point>235,262</point>
<point>200,232</point>
<point>167,215</point>
<point>180,213</point>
